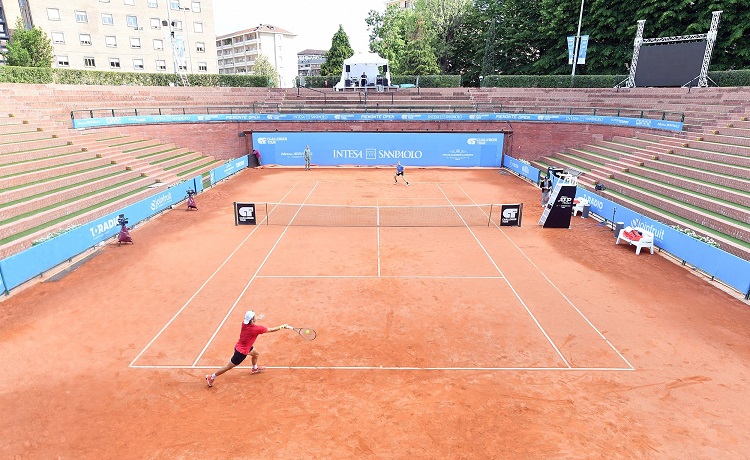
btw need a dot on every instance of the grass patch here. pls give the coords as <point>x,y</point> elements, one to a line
<point>171,158</point>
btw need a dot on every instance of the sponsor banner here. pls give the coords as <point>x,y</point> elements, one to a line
<point>728,268</point>
<point>39,258</point>
<point>244,213</point>
<point>2,284</point>
<point>373,149</point>
<point>152,119</point>
<point>582,47</point>
<point>521,168</point>
<point>228,168</point>
<point>561,210</point>
<point>510,215</point>
<point>571,48</point>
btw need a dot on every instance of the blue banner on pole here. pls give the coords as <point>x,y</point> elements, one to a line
<point>571,49</point>
<point>582,49</point>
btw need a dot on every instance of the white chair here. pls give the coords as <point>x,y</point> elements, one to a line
<point>579,204</point>
<point>646,239</point>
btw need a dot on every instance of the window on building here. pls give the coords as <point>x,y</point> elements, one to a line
<point>135,42</point>
<point>62,61</point>
<point>89,62</point>
<point>132,21</point>
<point>153,3</point>
<point>181,67</point>
<point>138,64</point>
<point>158,44</point>
<point>53,14</point>
<point>202,67</point>
<point>85,39</point>
<point>161,65</point>
<point>200,47</point>
<point>177,25</point>
<point>107,19</point>
<point>198,27</point>
<point>58,37</point>
<point>196,7</point>
<point>155,23</point>
<point>174,4</point>
<point>114,63</point>
<point>111,41</point>
<point>130,2</point>
<point>82,16</point>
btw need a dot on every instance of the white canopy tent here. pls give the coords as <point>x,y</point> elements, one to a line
<point>361,70</point>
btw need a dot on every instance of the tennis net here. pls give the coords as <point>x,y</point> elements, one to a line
<point>326,215</point>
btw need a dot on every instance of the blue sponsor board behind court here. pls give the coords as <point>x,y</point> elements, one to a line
<point>521,168</point>
<point>250,117</point>
<point>227,169</point>
<point>373,149</point>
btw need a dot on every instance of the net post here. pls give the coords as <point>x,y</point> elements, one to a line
<point>235,213</point>
<point>489,218</point>
<point>268,218</point>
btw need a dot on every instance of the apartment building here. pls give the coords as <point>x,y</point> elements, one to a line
<point>236,52</point>
<point>127,35</point>
<point>309,62</point>
<point>403,4</point>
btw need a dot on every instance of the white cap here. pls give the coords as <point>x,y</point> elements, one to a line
<point>249,316</point>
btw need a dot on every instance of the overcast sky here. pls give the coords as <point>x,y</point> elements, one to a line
<point>313,21</point>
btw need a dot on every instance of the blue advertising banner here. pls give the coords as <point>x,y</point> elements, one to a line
<point>371,149</point>
<point>23,266</point>
<point>571,49</point>
<point>227,169</point>
<point>729,268</point>
<point>589,119</point>
<point>521,168</point>
<point>582,49</point>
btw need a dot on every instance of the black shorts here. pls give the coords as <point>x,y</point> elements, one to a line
<point>239,357</point>
<point>401,173</point>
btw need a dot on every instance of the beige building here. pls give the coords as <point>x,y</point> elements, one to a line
<point>236,52</point>
<point>127,35</point>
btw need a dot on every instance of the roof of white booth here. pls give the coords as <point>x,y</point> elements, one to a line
<point>365,58</point>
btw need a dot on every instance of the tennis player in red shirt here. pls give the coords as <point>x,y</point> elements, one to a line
<point>249,332</point>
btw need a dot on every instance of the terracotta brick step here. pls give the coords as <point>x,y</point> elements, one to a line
<point>32,165</point>
<point>51,198</point>
<point>31,135</point>
<point>706,165</point>
<point>726,180</point>
<point>34,176</point>
<point>46,216</point>
<point>15,157</point>
<point>57,182</point>
<point>739,195</point>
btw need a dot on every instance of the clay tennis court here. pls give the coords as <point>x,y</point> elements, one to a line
<point>456,341</point>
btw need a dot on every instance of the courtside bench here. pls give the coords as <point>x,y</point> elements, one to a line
<point>637,237</point>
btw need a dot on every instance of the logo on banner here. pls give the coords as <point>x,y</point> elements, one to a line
<point>510,215</point>
<point>244,214</point>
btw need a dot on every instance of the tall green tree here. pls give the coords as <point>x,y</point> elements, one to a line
<point>29,47</point>
<point>445,18</point>
<point>264,68</point>
<point>405,38</point>
<point>339,51</point>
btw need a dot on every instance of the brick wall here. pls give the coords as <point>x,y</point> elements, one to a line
<point>528,141</point>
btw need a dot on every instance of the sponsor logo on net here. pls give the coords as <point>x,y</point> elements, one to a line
<point>245,212</point>
<point>510,213</point>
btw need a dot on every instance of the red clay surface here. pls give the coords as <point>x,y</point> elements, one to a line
<point>525,343</point>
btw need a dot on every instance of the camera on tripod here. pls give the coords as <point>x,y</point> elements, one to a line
<point>191,192</point>
<point>122,220</point>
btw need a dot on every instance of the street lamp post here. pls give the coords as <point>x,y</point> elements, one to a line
<point>578,44</point>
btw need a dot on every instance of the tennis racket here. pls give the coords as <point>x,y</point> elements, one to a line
<point>304,332</point>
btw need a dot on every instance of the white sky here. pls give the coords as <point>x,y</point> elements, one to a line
<point>313,21</point>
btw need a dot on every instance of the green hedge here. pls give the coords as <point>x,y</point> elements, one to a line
<point>723,78</point>
<point>425,81</point>
<point>92,77</point>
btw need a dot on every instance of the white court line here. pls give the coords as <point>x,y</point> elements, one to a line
<point>378,205</point>
<point>419,277</point>
<point>506,280</point>
<point>247,286</point>
<point>383,368</point>
<point>556,288</point>
<point>203,285</point>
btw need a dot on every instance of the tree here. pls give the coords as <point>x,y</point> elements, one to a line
<point>335,56</point>
<point>405,38</point>
<point>263,67</point>
<point>29,47</point>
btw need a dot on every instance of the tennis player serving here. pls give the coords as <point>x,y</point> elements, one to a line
<point>399,172</point>
<point>248,334</point>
